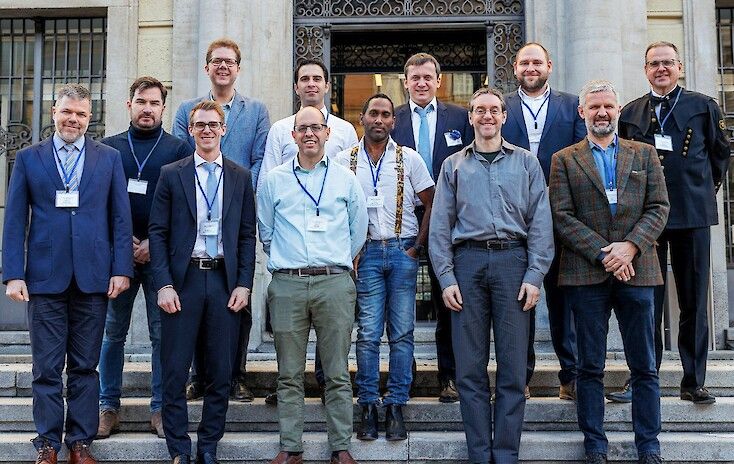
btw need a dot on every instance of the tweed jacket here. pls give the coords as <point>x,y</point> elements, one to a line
<point>583,219</point>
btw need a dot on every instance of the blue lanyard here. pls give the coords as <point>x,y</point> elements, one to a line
<point>323,182</point>
<point>662,123</point>
<point>67,177</point>
<point>535,115</point>
<point>141,166</point>
<point>375,175</point>
<point>209,205</point>
<point>610,173</point>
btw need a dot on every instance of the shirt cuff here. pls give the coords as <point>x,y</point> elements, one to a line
<point>447,279</point>
<point>533,277</point>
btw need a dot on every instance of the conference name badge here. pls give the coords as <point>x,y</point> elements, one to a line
<point>137,186</point>
<point>209,228</point>
<point>663,142</point>
<point>376,201</point>
<point>453,138</point>
<point>316,224</point>
<point>611,196</point>
<point>66,199</point>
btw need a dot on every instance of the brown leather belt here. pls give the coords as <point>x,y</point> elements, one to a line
<point>208,264</point>
<point>314,271</point>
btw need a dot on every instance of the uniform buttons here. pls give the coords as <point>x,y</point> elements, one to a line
<point>653,120</point>
<point>661,157</point>
<point>73,213</point>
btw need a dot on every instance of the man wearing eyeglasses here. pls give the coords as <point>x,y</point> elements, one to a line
<point>202,247</point>
<point>688,131</point>
<point>312,220</point>
<point>244,143</point>
<point>491,243</point>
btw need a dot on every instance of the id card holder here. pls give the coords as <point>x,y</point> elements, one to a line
<point>316,224</point>
<point>66,199</point>
<point>611,196</point>
<point>209,228</point>
<point>451,141</point>
<point>376,201</point>
<point>663,142</point>
<point>137,186</point>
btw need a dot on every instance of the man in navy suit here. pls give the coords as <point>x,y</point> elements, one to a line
<point>435,130</point>
<point>545,121</point>
<point>202,248</point>
<point>244,143</point>
<point>79,254</point>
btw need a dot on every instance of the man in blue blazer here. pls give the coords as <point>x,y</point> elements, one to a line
<point>202,248</point>
<point>79,254</point>
<point>248,124</point>
<point>545,121</point>
<point>435,130</point>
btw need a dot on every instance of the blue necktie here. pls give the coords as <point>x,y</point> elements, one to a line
<point>212,241</point>
<point>424,137</point>
<point>69,165</point>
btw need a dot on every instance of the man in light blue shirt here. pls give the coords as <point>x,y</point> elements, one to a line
<point>312,217</point>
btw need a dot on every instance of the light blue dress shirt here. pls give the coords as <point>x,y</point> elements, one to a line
<point>59,143</point>
<point>284,211</point>
<point>606,159</point>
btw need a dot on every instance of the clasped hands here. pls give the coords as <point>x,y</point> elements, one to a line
<point>618,259</point>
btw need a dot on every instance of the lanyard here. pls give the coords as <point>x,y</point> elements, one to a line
<point>68,176</point>
<point>375,175</point>
<point>323,182</point>
<point>141,166</point>
<point>535,115</point>
<point>662,123</point>
<point>610,174</point>
<point>209,205</point>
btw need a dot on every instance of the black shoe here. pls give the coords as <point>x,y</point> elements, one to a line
<point>651,459</point>
<point>181,459</point>
<point>448,392</point>
<point>240,392</point>
<point>194,390</point>
<point>394,424</point>
<point>368,430</point>
<point>271,398</point>
<point>596,458</point>
<point>699,395</point>
<point>206,458</point>
<point>622,396</point>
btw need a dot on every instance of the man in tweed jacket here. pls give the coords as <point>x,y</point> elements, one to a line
<point>610,204</point>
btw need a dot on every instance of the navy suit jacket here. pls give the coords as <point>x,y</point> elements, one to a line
<point>247,129</point>
<point>449,117</point>
<point>90,243</point>
<point>563,126</point>
<point>173,226</point>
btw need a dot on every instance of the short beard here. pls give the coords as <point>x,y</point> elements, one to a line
<point>532,88</point>
<point>602,131</point>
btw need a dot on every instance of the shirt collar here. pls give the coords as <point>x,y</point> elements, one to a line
<point>59,142</point>
<point>505,149</point>
<point>655,94</point>
<point>527,97</point>
<point>594,146</point>
<point>198,160</point>
<point>229,103</point>
<point>413,105</point>
<point>323,162</point>
<point>390,147</point>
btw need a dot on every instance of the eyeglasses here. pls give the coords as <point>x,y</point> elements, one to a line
<point>665,63</point>
<point>481,111</point>
<point>315,128</point>
<point>213,125</point>
<point>228,61</point>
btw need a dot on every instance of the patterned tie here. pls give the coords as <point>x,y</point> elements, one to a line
<point>424,137</point>
<point>212,241</point>
<point>69,165</point>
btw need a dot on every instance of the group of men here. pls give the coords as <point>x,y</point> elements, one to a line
<point>520,191</point>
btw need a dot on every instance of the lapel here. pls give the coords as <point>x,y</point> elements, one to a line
<point>442,116</point>
<point>404,126</point>
<point>91,156</point>
<point>230,177</point>
<point>238,107</point>
<point>585,160</point>
<point>640,114</point>
<point>514,105</point>
<point>186,174</point>
<point>553,106</point>
<point>625,157</point>
<point>48,160</point>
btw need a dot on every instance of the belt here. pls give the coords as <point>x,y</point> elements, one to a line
<point>314,271</point>
<point>208,264</point>
<point>492,244</point>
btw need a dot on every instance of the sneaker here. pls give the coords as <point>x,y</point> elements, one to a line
<point>622,396</point>
<point>448,392</point>
<point>699,395</point>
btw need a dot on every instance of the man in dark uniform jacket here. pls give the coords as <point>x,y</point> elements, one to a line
<point>687,130</point>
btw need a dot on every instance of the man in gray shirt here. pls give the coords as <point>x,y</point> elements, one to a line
<point>491,244</point>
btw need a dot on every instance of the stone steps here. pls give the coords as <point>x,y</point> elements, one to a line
<point>420,447</point>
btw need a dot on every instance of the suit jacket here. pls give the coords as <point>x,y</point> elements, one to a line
<point>563,126</point>
<point>700,156</point>
<point>90,243</point>
<point>173,226</point>
<point>449,117</point>
<point>247,130</point>
<point>583,220</point>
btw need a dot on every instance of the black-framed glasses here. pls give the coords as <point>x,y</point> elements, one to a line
<point>228,61</point>
<point>315,128</point>
<point>665,63</point>
<point>213,125</point>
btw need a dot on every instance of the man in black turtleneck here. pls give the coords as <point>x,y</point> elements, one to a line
<point>145,148</point>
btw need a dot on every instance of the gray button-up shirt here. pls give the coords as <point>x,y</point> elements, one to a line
<point>502,200</point>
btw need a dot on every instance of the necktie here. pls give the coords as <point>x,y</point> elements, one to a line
<point>424,137</point>
<point>664,109</point>
<point>212,241</point>
<point>69,165</point>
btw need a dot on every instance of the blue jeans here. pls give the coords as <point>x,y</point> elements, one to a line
<point>386,287</point>
<point>117,324</point>
<point>633,306</point>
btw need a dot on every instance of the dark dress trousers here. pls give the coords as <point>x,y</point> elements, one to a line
<point>203,294</point>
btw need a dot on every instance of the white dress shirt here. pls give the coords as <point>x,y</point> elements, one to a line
<point>202,208</point>
<point>535,103</point>
<point>416,119</point>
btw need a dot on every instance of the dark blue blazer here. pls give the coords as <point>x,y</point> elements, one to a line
<point>449,117</point>
<point>173,232</point>
<point>563,126</point>
<point>90,243</point>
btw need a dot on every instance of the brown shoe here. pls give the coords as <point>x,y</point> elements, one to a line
<point>46,454</point>
<point>448,392</point>
<point>343,457</point>
<point>283,458</point>
<point>109,423</point>
<point>80,454</point>
<point>527,392</point>
<point>194,390</point>
<point>156,424</point>
<point>567,391</point>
